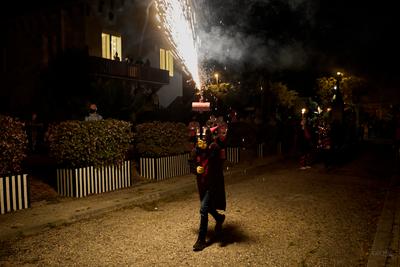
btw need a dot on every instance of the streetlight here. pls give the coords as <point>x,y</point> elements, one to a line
<point>339,76</point>
<point>216,78</point>
<point>303,111</point>
<point>337,104</point>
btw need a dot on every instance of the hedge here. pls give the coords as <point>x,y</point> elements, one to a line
<point>160,139</point>
<point>90,143</point>
<point>13,145</point>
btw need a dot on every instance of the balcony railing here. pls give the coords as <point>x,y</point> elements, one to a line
<point>122,70</point>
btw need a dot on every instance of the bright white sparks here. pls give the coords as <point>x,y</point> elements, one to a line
<point>177,19</point>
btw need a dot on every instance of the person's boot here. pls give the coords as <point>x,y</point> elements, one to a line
<point>200,244</point>
<point>218,224</point>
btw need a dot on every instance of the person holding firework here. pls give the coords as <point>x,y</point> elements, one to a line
<point>207,165</point>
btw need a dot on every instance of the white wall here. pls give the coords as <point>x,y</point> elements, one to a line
<point>169,92</point>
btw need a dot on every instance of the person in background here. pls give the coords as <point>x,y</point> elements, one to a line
<point>93,115</point>
<point>305,143</point>
<point>127,60</point>
<point>194,132</point>
<point>324,143</point>
<point>116,57</point>
<point>35,131</point>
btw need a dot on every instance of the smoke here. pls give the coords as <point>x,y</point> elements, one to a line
<point>237,47</point>
<point>229,32</point>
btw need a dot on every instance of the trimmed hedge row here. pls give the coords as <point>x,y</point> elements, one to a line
<point>159,139</point>
<point>90,143</point>
<point>13,145</point>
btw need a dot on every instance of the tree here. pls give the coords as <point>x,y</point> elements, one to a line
<point>222,96</point>
<point>351,87</point>
<point>285,98</point>
<point>325,90</point>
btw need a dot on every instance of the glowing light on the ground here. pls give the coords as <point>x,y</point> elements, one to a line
<point>177,19</point>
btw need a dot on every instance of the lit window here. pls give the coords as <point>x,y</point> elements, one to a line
<point>162,59</point>
<point>110,45</point>
<point>167,61</point>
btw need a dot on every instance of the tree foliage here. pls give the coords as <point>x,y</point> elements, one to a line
<point>13,145</point>
<point>160,139</point>
<point>90,143</point>
<point>226,95</point>
<point>350,87</point>
<point>285,98</point>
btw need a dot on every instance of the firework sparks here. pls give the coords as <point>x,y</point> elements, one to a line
<point>177,19</point>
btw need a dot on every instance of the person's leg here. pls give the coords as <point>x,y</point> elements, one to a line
<point>308,160</point>
<point>302,161</point>
<point>309,157</point>
<point>219,220</point>
<point>204,209</point>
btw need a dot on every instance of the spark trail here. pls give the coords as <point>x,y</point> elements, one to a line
<point>178,20</point>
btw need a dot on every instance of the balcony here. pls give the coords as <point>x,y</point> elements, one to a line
<point>121,70</point>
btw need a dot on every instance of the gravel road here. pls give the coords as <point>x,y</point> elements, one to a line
<point>276,216</point>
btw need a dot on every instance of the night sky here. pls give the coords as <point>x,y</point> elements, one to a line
<point>354,36</point>
<point>359,37</point>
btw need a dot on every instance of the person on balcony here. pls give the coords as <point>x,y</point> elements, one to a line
<point>128,60</point>
<point>116,57</point>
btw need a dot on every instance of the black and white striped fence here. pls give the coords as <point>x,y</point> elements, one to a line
<point>14,193</point>
<point>233,154</point>
<point>260,150</point>
<point>81,182</point>
<point>164,167</point>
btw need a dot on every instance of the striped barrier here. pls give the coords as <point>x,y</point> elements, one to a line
<point>14,193</point>
<point>233,154</point>
<point>260,150</point>
<point>81,182</point>
<point>164,167</point>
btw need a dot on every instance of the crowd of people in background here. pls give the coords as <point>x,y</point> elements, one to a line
<point>316,136</point>
<point>319,140</point>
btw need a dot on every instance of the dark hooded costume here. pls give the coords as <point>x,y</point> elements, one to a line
<point>207,163</point>
<point>210,157</point>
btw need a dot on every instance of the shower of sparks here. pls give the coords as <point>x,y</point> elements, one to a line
<point>177,19</point>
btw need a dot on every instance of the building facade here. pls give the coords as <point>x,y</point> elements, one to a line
<point>60,57</point>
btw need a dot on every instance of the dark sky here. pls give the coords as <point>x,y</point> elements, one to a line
<point>363,35</point>
<point>356,36</point>
<point>359,37</point>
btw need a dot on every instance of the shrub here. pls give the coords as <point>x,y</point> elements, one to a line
<point>159,139</point>
<point>13,145</point>
<point>90,143</point>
